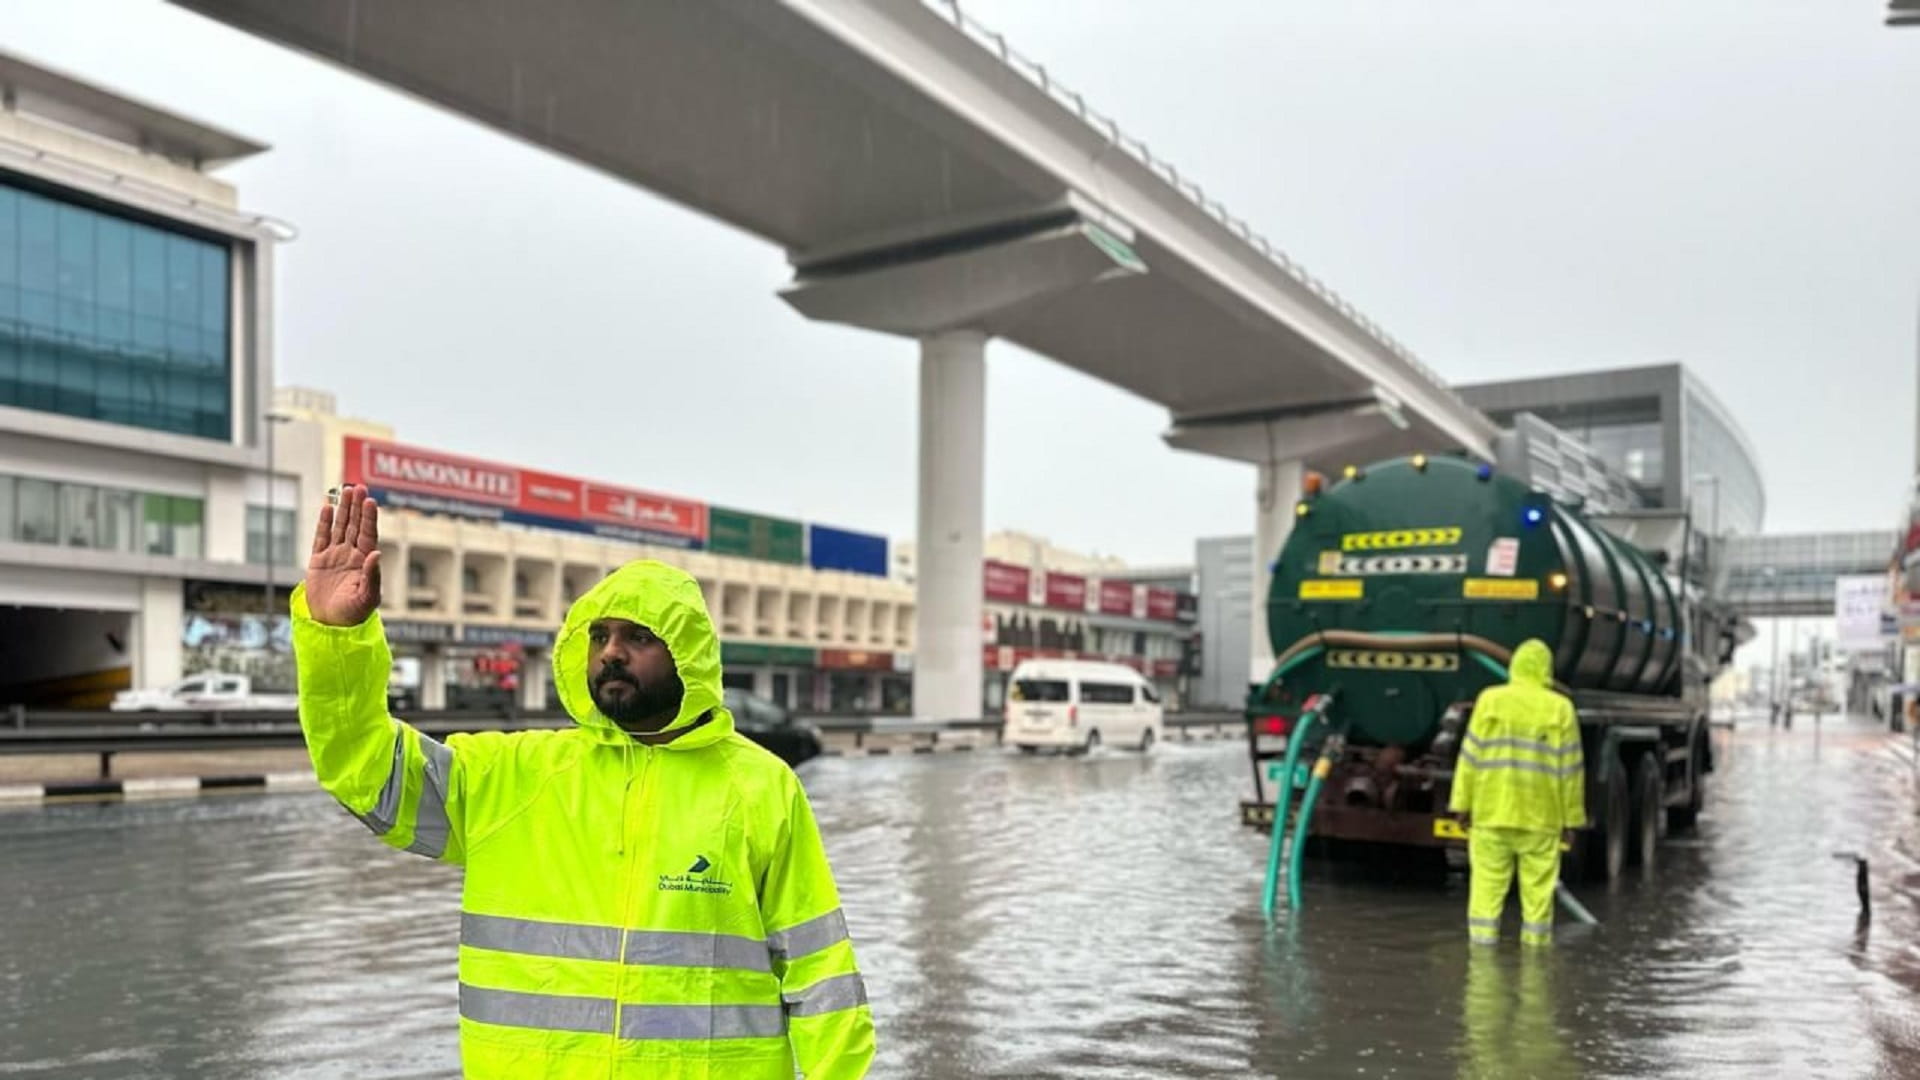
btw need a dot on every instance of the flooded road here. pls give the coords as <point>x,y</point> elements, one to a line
<point>1025,917</point>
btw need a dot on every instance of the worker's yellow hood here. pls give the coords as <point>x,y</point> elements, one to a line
<point>1532,664</point>
<point>666,601</point>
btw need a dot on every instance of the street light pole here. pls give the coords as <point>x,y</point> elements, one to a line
<point>273,420</point>
<point>1773,670</point>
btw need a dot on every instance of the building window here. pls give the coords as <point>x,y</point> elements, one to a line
<point>38,516</point>
<point>283,526</point>
<point>80,515</point>
<point>108,519</point>
<point>173,526</point>
<point>108,318</point>
<point>120,520</point>
<point>470,579</point>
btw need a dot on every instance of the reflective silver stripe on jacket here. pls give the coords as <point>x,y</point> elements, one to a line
<point>430,820</point>
<point>572,941</point>
<point>547,1012</point>
<point>582,941</point>
<point>1491,764</point>
<point>809,937</point>
<point>1535,745</point>
<point>555,1012</point>
<point>828,995</point>
<point>702,1021</point>
<point>386,811</point>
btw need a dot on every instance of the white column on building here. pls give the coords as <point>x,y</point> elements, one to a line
<point>953,400</point>
<point>1277,492</point>
<point>536,671</point>
<point>433,678</point>
<point>763,682</point>
<point>157,629</point>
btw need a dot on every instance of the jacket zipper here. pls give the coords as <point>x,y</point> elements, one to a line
<point>625,892</point>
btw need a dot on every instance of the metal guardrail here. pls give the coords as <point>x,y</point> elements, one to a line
<point>861,725</point>
<point>106,734</point>
<point>24,731</point>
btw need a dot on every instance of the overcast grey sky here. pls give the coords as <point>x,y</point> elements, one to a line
<point>1513,188</point>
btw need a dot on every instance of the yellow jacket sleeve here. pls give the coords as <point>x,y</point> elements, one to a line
<point>403,785</point>
<point>1461,800</point>
<point>1573,780</point>
<point>829,1024</point>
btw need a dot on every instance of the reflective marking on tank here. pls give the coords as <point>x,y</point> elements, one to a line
<point>1374,660</point>
<point>1332,563</point>
<point>1400,538</point>
<point>1321,589</point>
<point>1500,589</point>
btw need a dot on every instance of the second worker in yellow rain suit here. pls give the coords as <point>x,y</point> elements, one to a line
<point>1521,783</point>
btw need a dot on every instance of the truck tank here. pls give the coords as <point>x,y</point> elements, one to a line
<point>1421,549</point>
<point>1399,596</point>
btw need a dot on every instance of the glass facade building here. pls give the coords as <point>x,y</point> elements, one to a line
<point>61,514</point>
<point>1658,426</point>
<point>107,317</point>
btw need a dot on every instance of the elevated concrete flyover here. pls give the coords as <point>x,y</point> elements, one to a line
<point>926,180</point>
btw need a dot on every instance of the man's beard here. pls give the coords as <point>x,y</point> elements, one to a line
<point>644,708</point>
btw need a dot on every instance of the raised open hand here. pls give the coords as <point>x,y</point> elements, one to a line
<point>343,574</point>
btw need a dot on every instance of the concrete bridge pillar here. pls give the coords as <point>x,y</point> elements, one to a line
<point>1276,492</point>
<point>953,419</point>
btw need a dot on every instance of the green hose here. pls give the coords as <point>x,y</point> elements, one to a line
<point>1297,858</point>
<point>1293,661</point>
<point>1499,670</point>
<point>1281,797</point>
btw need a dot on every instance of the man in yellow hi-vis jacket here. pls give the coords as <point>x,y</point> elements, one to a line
<point>646,892</point>
<point>1521,783</point>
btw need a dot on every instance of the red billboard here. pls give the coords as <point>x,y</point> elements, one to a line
<point>436,482</point>
<point>1005,582</point>
<point>640,512</point>
<point>1067,592</point>
<point>1116,598</point>
<point>1163,604</point>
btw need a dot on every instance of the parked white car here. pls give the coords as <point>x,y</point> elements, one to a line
<point>196,693</point>
<point>1080,704</point>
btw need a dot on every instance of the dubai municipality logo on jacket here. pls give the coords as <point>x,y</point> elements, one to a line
<point>698,878</point>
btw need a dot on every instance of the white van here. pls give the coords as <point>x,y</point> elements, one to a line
<point>1080,704</point>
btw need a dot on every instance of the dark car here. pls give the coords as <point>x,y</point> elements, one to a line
<point>772,727</point>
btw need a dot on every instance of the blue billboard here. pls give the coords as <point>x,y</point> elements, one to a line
<point>838,549</point>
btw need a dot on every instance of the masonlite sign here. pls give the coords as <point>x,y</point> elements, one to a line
<point>434,482</point>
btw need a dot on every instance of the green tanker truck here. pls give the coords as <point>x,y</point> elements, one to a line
<point>1400,595</point>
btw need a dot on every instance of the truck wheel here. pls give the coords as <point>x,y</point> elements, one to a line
<point>1649,809</point>
<point>1605,847</point>
<point>1688,816</point>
